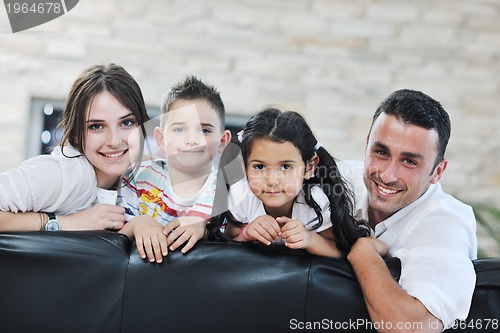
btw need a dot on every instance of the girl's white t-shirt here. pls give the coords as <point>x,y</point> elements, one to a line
<point>246,207</point>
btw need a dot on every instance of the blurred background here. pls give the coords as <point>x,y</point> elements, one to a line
<point>333,61</point>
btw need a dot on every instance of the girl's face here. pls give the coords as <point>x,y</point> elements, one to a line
<point>275,173</point>
<point>191,136</point>
<point>107,143</point>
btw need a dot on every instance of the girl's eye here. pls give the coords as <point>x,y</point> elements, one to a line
<point>286,167</point>
<point>258,166</point>
<point>129,123</point>
<point>95,127</point>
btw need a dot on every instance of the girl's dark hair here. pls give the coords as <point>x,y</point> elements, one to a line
<point>229,172</point>
<point>92,81</point>
<point>289,126</point>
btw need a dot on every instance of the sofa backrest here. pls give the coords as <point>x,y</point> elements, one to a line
<point>96,282</point>
<point>62,282</point>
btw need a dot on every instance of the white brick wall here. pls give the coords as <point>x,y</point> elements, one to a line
<point>332,60</point>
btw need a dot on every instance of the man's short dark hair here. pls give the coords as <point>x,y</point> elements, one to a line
<point>416,108</point>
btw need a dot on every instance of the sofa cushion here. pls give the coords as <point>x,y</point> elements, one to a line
<point>62,281</point>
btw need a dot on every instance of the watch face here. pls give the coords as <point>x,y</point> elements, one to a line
<point>52,225</point>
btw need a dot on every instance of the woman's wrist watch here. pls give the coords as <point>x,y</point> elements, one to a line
<point>52,223</point>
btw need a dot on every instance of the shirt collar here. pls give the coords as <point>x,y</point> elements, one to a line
<point>397,217</point>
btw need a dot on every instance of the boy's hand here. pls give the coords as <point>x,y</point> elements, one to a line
<point>149,238</point>
<point>184,229</point>
<point>294,233</point>
<point>264,228</point>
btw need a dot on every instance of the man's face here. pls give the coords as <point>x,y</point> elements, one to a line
<point>399,165</point>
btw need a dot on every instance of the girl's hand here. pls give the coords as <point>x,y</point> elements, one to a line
<point>264,228</point>
<point>296,236</point>
<point>294,233</point>
<point>99,217</point>
<point>149,238</point>
<point>190,229</point>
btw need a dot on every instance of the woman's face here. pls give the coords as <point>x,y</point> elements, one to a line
<point>108,139</point>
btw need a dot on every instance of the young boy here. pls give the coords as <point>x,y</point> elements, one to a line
<point>170,199</point>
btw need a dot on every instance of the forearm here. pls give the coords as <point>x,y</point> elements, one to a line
<point>386,301</point>
<point>22,221</point>
<point>234,232</point>
<point>323,246</point>
<point>128,228</point>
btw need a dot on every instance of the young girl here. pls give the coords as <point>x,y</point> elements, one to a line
<point>105,105</point>
<point>293,189</point>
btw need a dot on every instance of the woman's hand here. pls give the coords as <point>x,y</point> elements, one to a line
<point>99,217</point>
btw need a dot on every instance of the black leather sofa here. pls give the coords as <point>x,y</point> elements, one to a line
<point>96,282</point>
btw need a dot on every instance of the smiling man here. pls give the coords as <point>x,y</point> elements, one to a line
<point>398,192</point>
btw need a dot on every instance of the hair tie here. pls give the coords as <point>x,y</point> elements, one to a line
<point>318,146</point>
<point>240,136</point>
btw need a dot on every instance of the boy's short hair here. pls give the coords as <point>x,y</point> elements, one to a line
<point>193,88</point>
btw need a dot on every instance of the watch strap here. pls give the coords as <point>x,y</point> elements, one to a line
<point>52,223</point>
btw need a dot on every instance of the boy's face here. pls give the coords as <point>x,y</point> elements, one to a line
<point>191,136</point>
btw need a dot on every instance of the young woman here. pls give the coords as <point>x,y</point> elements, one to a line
<point>76,185</point>
<point>293,190</point>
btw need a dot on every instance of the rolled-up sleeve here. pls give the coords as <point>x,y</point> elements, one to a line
<point>443,282</point>
<point>436,262</point>
<point>51,183</point>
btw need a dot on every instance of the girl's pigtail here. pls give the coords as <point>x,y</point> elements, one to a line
<point>345,228</point>
<point>229,172</point>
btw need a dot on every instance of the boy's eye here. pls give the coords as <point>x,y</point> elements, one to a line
<point>206,130</point>
<point>380,152</point>
<point>177,129</point>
